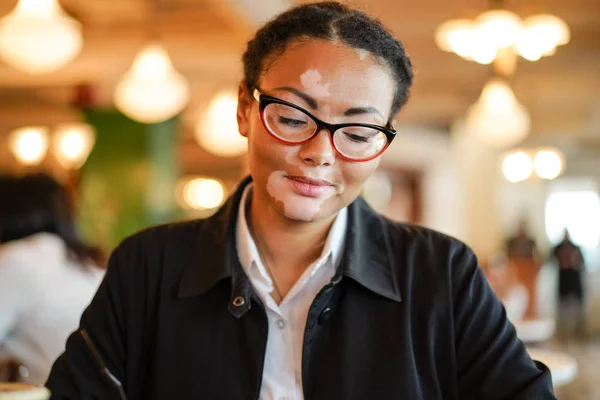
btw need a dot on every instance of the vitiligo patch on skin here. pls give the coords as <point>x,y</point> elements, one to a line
<point>341,75</point>
<point>311,81</point>
<point>295,207</point>
<point>362,53</point>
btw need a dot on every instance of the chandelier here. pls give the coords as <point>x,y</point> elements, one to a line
<point>497,117</point>
<point>217,130</point>
<point>39,37</point>
<point>545,163</point>
<point>151,90</point>
<point>497,32</point>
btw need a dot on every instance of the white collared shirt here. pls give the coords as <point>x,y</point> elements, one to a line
<point>282,374</point>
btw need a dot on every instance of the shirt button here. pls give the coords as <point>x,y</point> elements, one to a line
<point>281,325</point>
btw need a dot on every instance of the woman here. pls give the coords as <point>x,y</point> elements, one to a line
<point>295,288</point>
<point>47,275</point>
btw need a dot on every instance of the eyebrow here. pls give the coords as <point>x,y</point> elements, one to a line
<point>309,100</point>
<point>314,105</point>
<point>362,110</point>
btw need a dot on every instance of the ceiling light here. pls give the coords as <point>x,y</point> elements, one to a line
<point>497,118</point>
<point>217,129</point>
<point>493,30</point>
<point>72,144</point>
<point>548,163</point>
<point>38,37</point>
<point>200,193</point>
<point>29,144</point>
<point>517,166</point>
<point>151,90</point>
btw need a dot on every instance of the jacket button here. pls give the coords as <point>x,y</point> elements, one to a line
<point>325,316</point>
<point>239,301</point>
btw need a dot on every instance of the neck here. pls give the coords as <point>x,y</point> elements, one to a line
<point>287,243</point>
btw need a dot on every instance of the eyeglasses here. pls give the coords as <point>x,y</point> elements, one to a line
<point>294,125</point>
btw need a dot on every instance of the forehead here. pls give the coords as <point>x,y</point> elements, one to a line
<point>349,76</point>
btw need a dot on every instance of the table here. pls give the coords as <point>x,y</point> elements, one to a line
<point>535,330</point>
<point>563,367</point>
<point>22,391</point>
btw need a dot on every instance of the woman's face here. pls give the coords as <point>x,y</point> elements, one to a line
<point>310,181</point>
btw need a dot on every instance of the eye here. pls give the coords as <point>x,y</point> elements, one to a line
<point>291,122</point>
<point>357,138</point>
<point>360,135</point>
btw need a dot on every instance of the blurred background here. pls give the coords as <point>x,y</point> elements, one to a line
<point>130,104</point>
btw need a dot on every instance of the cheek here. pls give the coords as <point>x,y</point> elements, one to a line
<point>261,146</point>
<point>266,154</point>
<point>356,174</point>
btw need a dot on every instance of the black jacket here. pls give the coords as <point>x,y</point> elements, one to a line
<point>408,315</point>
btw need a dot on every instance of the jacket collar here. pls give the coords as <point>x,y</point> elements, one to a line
<point>368,256</point>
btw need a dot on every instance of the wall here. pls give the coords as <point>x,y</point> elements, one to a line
<point>430,151</point>
<point>128,181</point>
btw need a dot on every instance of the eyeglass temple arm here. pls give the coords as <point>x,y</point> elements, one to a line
<point>256,94</point>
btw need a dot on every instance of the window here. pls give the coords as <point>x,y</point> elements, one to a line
<point>579,212</point>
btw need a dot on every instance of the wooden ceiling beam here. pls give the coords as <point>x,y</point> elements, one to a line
<point>247,15</point>
<point>108,53</point>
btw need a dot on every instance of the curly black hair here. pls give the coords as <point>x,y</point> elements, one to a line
<point>329,21</point>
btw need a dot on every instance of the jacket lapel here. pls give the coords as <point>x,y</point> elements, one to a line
<point>368,257</point>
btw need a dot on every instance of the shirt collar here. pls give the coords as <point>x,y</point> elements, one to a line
<point>246,247</point>
<point>248,253</point>
<point>368,257</point>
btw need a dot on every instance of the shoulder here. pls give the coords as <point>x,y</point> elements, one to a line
<point>17,250</point>
<point>155,241</point>
<point>431,268</point>
<point>156,255</point>
<point>429,255</point>
<point>166,233</point>
<point>415,238</point>
<point>23,253</point>
<point>20,265</point>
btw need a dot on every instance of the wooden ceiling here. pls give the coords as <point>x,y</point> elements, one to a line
<point>205,39</point>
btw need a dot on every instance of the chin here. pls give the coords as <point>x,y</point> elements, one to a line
<point>304,209</point>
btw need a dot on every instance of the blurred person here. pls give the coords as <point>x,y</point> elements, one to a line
<point>47,274</point>
<point>511,292</point>
<point>571,294</point>
<point>295,288</point>
<point>524,258</point>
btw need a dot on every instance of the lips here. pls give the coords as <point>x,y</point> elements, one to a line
<point>310,187</point>
<point>311,181</point>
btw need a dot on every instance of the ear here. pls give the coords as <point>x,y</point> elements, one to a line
<point>245,102</point>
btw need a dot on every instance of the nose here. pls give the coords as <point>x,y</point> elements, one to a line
<point>318,151</point>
